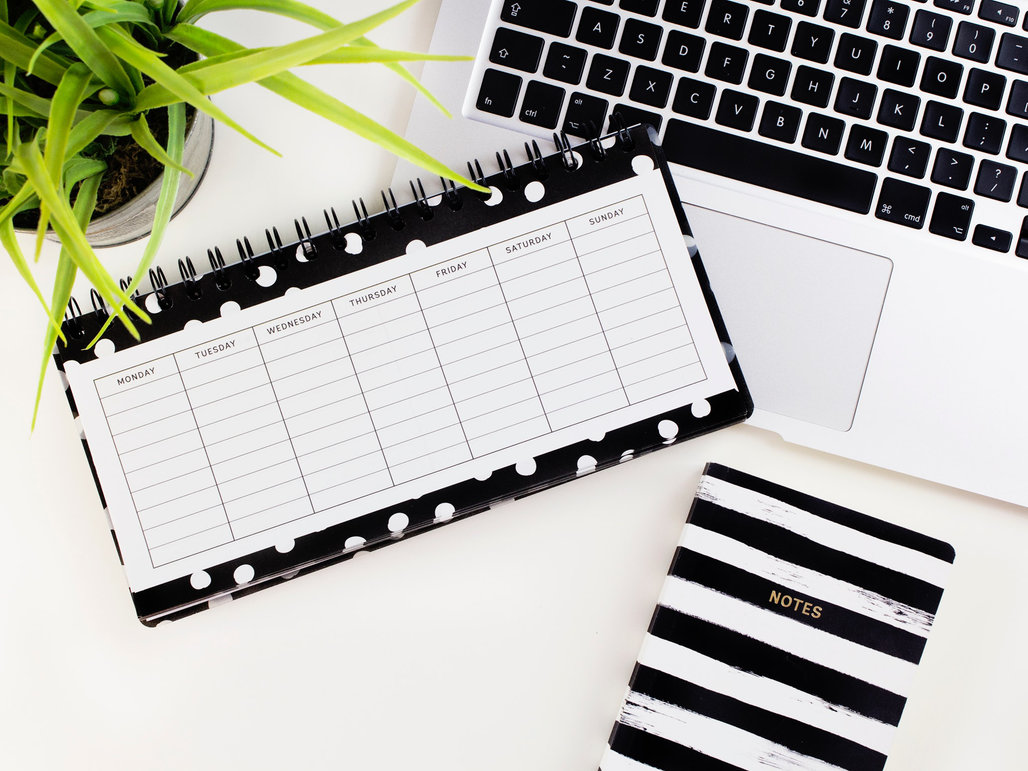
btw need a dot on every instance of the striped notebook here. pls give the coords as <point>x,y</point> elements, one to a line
<point>786,636</point>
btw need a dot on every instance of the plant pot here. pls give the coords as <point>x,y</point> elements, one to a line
<point>134,219</point>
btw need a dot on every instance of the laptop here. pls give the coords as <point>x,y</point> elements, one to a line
<point>854,172</point>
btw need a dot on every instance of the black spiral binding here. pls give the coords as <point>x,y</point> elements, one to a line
<point>451,196</point>
<point>221,278</point>
<point>619,127</point>
<point>189,279</point>
<point>476,175</point>
<point>510,177</point>
<point>421,200</point>
<point>335,230</point>
<point>250,268</point>
<point>567,155</point>
<point>278,253</point>
<point>159,284</point>
<point>392,211</point>
<point>310,249</point>
<point>367,231</point>
<point>99,306</point>
<point>73,318</point>
<point>535,158</point>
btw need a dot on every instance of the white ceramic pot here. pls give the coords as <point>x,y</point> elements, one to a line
<point>134,219</point>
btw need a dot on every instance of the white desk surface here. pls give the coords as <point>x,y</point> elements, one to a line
<point>502,643</point>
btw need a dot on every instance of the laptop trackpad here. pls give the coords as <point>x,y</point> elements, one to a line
<point>802,313</point>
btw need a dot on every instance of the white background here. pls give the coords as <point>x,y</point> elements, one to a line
<point>503,642</point>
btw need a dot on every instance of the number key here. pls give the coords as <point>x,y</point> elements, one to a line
<point>888,19</point>
<point>845,12</point>
<point>931,30</point>
<point>974,42</point>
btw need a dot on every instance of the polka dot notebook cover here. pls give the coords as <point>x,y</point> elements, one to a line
<point>786,636</point>
<point>347,389</point>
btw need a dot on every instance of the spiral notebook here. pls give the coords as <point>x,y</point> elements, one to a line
<point>351,388</point>
<point>786,636</point>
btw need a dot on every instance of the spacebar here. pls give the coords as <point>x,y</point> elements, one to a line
<point>775,168</point>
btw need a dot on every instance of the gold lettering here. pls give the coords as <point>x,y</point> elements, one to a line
<point>776,597</point>
<point>817,612</point>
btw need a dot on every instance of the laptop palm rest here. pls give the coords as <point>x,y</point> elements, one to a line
<point>802,313</point>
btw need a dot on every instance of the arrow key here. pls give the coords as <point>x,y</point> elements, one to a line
<point>992,238</point>
<point>516,50</point>
<point>952,216</point>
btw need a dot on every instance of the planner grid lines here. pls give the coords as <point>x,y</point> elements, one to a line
<point>399,380</point>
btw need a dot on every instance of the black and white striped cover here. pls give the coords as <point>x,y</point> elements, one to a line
<point>786,636</point>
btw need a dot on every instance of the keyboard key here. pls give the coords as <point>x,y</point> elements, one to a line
<point>499,93</point>
<point>985,133</point>
<point>727,19</point>
<point>651,87</point>
<point>992,238</point>
<point>1013,53</point>
<point>542,104</point>
<point>684,12</point>
<point>632,115</point>
<point>960,6</point>
<point>552,16</point>
<point>898,65</point>
<point>768,166</point>
<point>694,98</point>
<point>770,30</point>
<point>516,50</point>
<point>995,180</point>
<point>780,121</point>
<point>931,30</point>
<point>1017,147</point>
<point>806,7</point>
<point>726,63</point>
<point>812,86</point>
<point>1021,250</point>
<point>866,145</point>
<point>899,109</point>
<point>1017,104</point>
<point>598,28</point>
<point>941,121</point>
<point>941,77</point>
<point>565,63</point>
<point>823,133</point>
<point>608,75</point>
<point>643,7</point>
<point>855,54</point>
<point>845,12</point>
<point>903,203</point>
<point>1001,13</point>
<point>909,157</point>
<point>888,19</point>
<point>769,74</point>
<point>737,110</point>
<point>812,42</point>
<point>952,216</point>
<point>641,39</point>
<point>952,169</point>
<point>683,51</point>
<point>855,98</point>
<point>985,89</point>
<point>974,42</point>
<point>585,116</point>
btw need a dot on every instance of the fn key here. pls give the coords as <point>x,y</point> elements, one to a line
<point>499,93</point>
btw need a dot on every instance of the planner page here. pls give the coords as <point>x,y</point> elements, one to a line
<point>441,364</point>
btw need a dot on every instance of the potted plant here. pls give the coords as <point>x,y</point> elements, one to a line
<point>90,87</point>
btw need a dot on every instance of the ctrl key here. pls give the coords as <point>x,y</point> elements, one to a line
<point>903,203</point>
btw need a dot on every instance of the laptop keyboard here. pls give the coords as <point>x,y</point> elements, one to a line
<point>915,113</point>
